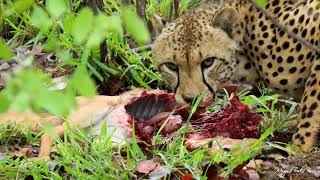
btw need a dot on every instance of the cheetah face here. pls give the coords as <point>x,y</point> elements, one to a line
<point>196,54</point>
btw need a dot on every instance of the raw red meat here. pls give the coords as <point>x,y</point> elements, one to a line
<point>235,121</point>
<point>150,110</point>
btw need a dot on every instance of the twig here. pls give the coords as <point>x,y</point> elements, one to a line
<point>284,29</point>
<point>141,11</point>
<point>141,8</point>
<point>93,6</point>
<point>142,48</point>
<point>176,4</point>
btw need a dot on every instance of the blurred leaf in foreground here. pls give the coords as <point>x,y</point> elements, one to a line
<point>5,103</point>
<point>56,8</point>
<point>40,19</point>
<point>261,3</point>
<point>5,51</point>
<point>82,83</point>
<point>22,5</point>
<point>51,44</point>
<point>82,25</point>
<point>29,88</point>
<point>102,26</point>
<point>135,26</point>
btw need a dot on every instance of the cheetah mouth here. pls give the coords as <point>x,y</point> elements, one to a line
<point>207,102</point>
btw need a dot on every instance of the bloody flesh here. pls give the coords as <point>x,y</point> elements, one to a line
<point>151,110</point>
<point>234,121</point>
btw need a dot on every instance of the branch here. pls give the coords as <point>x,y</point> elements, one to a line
<point>176,4</point>
<point>142,48</point>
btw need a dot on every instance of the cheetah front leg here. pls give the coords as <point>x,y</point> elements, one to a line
<point>309,115</point>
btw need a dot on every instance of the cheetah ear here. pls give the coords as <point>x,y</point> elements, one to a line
<point>226,19</point>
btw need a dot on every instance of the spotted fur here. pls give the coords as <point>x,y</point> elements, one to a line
<point>216,44</point>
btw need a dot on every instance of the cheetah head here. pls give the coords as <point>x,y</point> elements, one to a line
<point>196,53</point>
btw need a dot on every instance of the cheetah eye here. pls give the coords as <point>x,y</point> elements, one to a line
<point>207,62</point>
<point>172,66</point>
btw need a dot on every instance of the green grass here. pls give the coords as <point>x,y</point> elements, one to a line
<point>14,134</point>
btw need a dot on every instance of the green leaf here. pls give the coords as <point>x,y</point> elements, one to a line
<point>40,19</point>
<point>22,101</point>
<point>135,26</point>
<point>261,3</point>
<point>82,82</point>
<point>82,25</point>
<point>113,24</point>
<point>5,51</point>
<point>56,8</point>
<point>29,89</point>
<point>65,57</point>
<point>96,38</point>
<point>102,26</point>
<point>5,103</point>
<point>22,5</point>
<point>51,44</point>
<point>67,23</point>
<point>55,102</point>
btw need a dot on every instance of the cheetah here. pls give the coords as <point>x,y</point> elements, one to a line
<point>216,44</point>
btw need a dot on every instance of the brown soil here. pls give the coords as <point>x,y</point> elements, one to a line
<point>306,166</point>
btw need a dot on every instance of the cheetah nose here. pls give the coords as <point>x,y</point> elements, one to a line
<point>188,99</point>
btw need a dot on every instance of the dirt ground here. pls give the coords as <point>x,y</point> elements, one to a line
<point>297,167</point>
